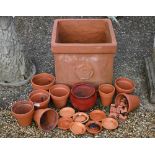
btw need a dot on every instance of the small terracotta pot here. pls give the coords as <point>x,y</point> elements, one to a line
<point>133,101</point>
<point>43,81</point>
<point>40,98</point>
<point>94,127</point>
<point>97,115</point>
<point>77,128</point>
<point>106,92</point>
<point>80,117</point>
<point>124,85</point>
<point>67,112</point>
<point>23,111</point>
<point>64,123</point>
<point>46,119</point>
<point>83,96</point>
<point>109,123</point>
<point>59,94</point>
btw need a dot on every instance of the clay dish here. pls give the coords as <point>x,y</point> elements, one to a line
<point>64,123</point>
<point>94,127</point>
<point>67,112</point>
<point>77,128</point>
<point>97,115</point>
<point>80,117</point>
<point>109,123</point>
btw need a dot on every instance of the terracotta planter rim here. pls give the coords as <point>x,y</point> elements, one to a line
<point>99,112</point>
<point>81,114</point>
<point>95,122</point>
<point>71,110</point>
<point>104,85</point>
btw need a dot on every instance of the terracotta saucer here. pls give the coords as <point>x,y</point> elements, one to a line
<point>109,123</point>
<point>80,117</point>
<point>67,112</point>
<point>77,128</point>
<point>94,127</point>
<point>64,123</point>
<point>97,115</point>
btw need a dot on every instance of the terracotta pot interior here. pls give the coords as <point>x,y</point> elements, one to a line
<point>39,97</point>
<point>59,92</point>
<point>83,31</point>
<point>77,128</point>
<point>123,84</point>
<point>121,97</point>
<point>41,81</point>
<point>94,127</point>
<point>80,117</point>
<point>64,122</point>
<point>97,115</point>
<point>22,109</point>
<point>106,89</point>
<point>67,112</point>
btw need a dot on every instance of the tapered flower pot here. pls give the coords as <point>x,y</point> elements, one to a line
<point>42,81</point>
<point>83,50</point>
<point>83,96</point>
<point>46,119</point>
<point>40,98</point>
<point>23,112</point>
<point>59,94</point>
<point>106,92</point>
<point>132,101</point>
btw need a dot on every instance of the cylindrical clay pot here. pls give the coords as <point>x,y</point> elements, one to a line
<point>23,111</point>
<point>83,96</point>
<point>46,119</point>
<point>59,94</point>
<point>106,92</point>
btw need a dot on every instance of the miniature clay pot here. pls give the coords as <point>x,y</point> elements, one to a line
<point>80,117</point>
<point>93,127</point>
<point>83,96</point>
<point>64,123</point>
<point>109,123</point>
<point>124,85</point>
<point>42,81</point>
<point>77,128</point>
<point>106,92</point>
<point>23,111</point>
<point>67,112</point>
<point>59,94</point>
<point>132,101</point>
<point>97,115</point>
<point>40,98</point>
<point>46,119</point>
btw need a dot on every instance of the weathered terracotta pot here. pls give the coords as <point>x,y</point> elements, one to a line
<point>133,101</point>
<point>43,81</point>
<point>109,123</point>
<point>83,50</point>
<point>77,128</point>
<point>67,112</point>
<point>23,111</point>
<point>83,96</point>
<point>97,115</point>
<point>106,92</point>
<point>80,117</point>
<point>64,123</point>
<point>59,94</point>
<point>94,127</point>
<point>40,98</point>
<point>46,119</point>
<point>124,85</point>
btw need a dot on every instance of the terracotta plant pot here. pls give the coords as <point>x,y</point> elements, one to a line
<point>43,81</point>
<point>97,115</point>
<point>80,117</point>
<point>46,119</point>
<point>67,112</point>
<point>83,96</point>
<point>77,128</point>
<point>124,85</point>
<point>94,127</point>
<point>40,98</point>
<point>106,92</point>
<point>83,50</point>
<point>64,123</point>
<point>132,101</point>
<point>59,94</point>
<point>109,123</point>
<point>23,111</point>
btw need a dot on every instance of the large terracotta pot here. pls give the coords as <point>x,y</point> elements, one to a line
<point>42,81</point>
<point>46,119</point>
<point>83,96</point>
<point>23,112</point>
<point>59,94</point>
<point>84,50</point>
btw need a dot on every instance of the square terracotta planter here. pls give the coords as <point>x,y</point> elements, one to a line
<point>83,50</point>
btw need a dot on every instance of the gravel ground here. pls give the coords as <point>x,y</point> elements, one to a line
<point>135,41</point>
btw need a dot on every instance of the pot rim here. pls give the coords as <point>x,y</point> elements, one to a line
<point>61,110</point>
<point>97,111</point>
<point>106,84</point>
<point>96,122</point>
<point>81,114</point>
